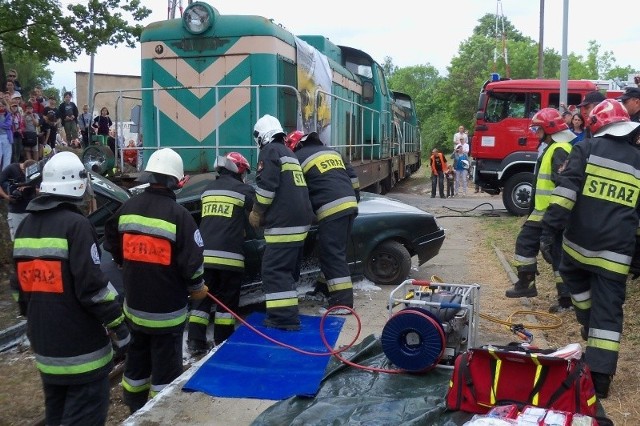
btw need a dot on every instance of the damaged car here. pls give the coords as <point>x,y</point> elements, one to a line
<point>386,235</point>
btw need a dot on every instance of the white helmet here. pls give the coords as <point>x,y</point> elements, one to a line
<point>266,129</point>
<point>166,162</point>
<point>64,174</point>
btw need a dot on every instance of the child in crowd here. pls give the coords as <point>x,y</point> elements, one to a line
<point>450,175</point>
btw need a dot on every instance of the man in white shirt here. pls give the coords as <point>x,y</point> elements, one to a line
<point>461,137</point>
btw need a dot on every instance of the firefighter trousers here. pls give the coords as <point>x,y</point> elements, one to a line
<point>333,236</point>
<point>526,253</point>
<point>153,361</point>
<point>225,286</point>
<point>598,302</point>
<point>81,404</point>
<point>280,274</point>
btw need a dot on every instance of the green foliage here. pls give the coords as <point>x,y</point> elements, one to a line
<point>423,82</point>
<point>31,71</point>
<point>620,72</point>
<point>388,66</point>
<point>49,33</point>
<point>445,102</point>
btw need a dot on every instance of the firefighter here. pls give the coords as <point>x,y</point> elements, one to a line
<point>282,205</point>
<point>71,307</point>
<point>596,204</point>
<point>591,99</point>
<point>159,248</point>
<point>631,101</point>
<point>334,191</point>
<point>552,130</point>
<point>226,204</point>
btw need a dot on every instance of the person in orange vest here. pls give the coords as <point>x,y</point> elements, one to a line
<point>438,167</point>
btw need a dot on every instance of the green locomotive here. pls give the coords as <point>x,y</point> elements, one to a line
<point>207,78</point>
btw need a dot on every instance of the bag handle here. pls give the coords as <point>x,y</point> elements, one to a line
<point>567,383</point>
<point>464,376</point>
<point>544,372</point>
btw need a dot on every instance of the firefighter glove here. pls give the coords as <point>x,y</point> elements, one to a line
<point>546,245</point>
<point>200,294</point>
<point>120,338</point>
<point>255,219</point>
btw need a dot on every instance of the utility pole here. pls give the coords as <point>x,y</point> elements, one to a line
<point>501,40</point>
<point>171,8</point>
<point>564,61</point>
<point>90,91</point>
<point>541,42</point>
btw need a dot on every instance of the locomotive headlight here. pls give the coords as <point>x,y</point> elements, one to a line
<point>197,18</point>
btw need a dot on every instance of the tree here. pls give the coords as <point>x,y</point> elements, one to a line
<point>388,66</point>
<point>422,83</point>
<point>43,29</point>
<point>31,71</point>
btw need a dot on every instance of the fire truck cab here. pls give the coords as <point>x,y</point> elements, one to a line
<point>503,148</point>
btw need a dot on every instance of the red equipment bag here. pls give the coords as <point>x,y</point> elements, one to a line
<point>493,375</point>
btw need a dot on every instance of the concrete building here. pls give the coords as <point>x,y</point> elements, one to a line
<point>107,83</point>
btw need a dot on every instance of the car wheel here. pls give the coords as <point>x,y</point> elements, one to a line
<point>388,264</point>
<point>517,193</point>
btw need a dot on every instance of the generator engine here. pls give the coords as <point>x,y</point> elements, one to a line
<point>430,324</point>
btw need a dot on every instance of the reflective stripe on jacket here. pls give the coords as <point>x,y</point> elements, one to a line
<point>69,300</point>
<point>330,189</point>
<point>596,202</point>
<point>282,196</point>
<point>225,205</point>
<point>550,162</point>
<point>159,246</point>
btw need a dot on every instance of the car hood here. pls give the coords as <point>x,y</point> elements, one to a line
<point>372,204</point>
<point>108,189</point>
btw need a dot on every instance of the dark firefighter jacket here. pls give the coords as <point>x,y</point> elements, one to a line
<point>596,203</point>
<point>70,301</point>
<point>548,169</point>
<point>225,204</point>
<point>330,184</point>
<point>282,196</point>
<point>158,245</point>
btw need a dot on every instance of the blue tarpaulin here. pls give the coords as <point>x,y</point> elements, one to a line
<point>249,366</point>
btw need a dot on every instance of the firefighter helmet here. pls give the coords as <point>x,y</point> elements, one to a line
<point>610,117</point>
<point>233,161</point>
<point>167,162</point>
<point>293,139</point>
<point>64,174</point>
<point>550,120</point>
<point>266,129</point>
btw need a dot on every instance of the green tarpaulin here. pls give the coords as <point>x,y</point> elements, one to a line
<point>351,396</point>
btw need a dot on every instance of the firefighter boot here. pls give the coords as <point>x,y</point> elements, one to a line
<point>601,383</point>
<point>524,287</point>
<point>562,305</point>
<point>197,348</point>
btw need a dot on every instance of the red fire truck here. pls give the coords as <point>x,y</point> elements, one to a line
<point>503,148</point>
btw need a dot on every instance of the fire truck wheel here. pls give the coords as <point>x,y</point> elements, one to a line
<point>517,193</point>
